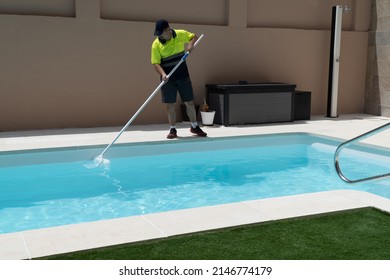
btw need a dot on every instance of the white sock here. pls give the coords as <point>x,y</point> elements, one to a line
<point>173,126</point>
<point>194,124</point>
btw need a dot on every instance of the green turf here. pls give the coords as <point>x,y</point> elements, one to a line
<point>353,235</point>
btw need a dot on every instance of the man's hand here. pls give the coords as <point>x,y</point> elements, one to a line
<point>189,47</point>
<point>164,77</point>
<point>161,71</point>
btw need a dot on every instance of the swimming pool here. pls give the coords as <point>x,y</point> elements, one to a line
<point>46,188</point>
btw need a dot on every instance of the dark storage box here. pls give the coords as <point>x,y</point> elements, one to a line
<point>251,103</point>
<point>302,105</point>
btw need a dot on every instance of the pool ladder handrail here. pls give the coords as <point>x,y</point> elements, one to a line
<point>349,142</point>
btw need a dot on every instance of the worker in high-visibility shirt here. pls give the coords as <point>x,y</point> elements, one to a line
<point>167,50</point>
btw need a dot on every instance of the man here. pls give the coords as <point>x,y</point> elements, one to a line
<point>167,50</point>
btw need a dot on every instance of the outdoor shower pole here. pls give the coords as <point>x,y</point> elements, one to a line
<point>334,60</point>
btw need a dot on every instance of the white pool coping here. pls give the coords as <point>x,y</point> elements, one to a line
<point>62,239</point>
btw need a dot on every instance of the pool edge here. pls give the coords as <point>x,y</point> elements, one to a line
<point>63,239</point>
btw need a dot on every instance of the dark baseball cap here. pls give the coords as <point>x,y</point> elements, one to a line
<point>161,25</point>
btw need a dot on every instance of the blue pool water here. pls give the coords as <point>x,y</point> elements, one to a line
<point>52,187</point>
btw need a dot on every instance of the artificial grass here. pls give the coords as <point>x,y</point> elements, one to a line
<point>362,234</point>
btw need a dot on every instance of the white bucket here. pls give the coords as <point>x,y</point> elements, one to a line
<point>207,117</point>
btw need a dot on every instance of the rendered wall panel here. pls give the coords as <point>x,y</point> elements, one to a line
<point>194,12</point>
<point>63,8</point>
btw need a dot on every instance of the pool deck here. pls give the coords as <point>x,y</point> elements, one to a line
<point>62,239</point>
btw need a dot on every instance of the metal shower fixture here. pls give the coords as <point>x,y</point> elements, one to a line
<point>347,9</point>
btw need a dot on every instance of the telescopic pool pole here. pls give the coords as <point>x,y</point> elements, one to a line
<point>99,159</point>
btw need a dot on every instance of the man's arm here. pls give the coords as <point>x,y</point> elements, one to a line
<point>190,45</point>
<point>161,71</point>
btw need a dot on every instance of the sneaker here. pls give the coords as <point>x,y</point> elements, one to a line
<point>172,133</point>
<point>198,131</point>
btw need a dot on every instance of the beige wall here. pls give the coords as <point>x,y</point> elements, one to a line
<point>378,61</point>
<point>85,63</point>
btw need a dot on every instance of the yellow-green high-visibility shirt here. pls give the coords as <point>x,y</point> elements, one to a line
<point>168,54</point>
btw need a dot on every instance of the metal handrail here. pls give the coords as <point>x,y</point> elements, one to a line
<point>349,142</point>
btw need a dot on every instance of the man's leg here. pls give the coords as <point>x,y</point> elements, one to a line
<point>191,112</point>
<point>187,96</point>
<point>169,91</point>
<point>171,112</point>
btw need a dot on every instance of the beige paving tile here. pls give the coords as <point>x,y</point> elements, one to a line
<point>368,198</point>
<point>344,127</point>
<point>84,236</point>
<point>205,218</point>
<point>12,247</point>
<point>304,205</point>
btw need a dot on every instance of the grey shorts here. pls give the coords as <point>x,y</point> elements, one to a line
<point>170,89</point>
